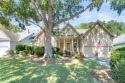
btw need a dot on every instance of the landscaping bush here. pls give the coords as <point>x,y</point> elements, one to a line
<point>77,56</point>
<point>10,52</point>
<point>67,53</point>
<point>23,53</point>
<point>39,51</point>
<point>117,64</point>
<point>30,49</point>
<point>119,48</point>
<point>20,47</point>
<point>56,56</point>
<point>55,50</point>
<point>60,53</point>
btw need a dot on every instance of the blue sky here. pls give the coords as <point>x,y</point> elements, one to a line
<point>105,14</point>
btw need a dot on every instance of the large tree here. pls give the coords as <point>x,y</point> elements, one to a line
<point>50,12</point>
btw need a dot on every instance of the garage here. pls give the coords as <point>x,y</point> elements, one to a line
<point>4,46</point>
<point>91,51</point>
<point>3,50</point>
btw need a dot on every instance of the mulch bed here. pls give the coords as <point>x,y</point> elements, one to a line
<point>104,76</point>
<point>36,59</point>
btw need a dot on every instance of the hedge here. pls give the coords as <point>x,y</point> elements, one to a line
<point>117,64</point>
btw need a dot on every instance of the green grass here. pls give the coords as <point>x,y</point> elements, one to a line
<point>23,71</point>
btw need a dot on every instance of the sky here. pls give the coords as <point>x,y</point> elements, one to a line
<point>105,14</point>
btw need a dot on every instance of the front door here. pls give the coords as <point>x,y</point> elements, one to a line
<point>61,46</point>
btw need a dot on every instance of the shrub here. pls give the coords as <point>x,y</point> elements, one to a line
<point>10,52</point>
<point>117,64</point>
<point>119,48</point>
<point>39,48</point>
<point>23,53</point>
<point>20,47</point>
<point>56,56</point>
<point>30,49</point>
<point>77,56</point>
<point>60,53</point>
<point>39,53</point>
<point>67,53</point>
<point>55,50</point>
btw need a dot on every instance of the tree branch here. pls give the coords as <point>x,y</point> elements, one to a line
<point>63,9</point>
<point>71,17</point>
<point>42,11</point>
<point>35,8</point>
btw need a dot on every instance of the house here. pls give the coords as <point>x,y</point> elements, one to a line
<point>87,42</point>
<point>119,41</point>
<point>9,39</point>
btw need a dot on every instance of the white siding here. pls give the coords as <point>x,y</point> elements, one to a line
<point>40,41</point>
<point>4,46</point>
<point>90,42</point>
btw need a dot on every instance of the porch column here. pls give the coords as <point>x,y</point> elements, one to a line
<point>64,45</point>
<point>77,46</point>
<point>59,43</point>
<point>72,46</point>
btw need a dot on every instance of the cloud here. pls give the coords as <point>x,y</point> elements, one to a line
<point>104,17</point>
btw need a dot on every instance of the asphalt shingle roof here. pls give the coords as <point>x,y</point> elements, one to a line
<point>15,36</point>
<point>81,31</point>
<point>119,40</point>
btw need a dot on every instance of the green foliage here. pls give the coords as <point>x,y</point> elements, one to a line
<point>20,47</point>
<point>14,28</point>
<point>115,27</point>
<point>10,52</point>
<point>77,56</point>
<point>118,5</point>
<point>39,51</point>
<point>56,55</point>
<point>55,49</point>
<point>119,48</point>
<point>117,64</point>
<point>84,25</point>
<point>30,49</point>
<point>67,53</point>
<point>60,53</point>
<point>23,53</point>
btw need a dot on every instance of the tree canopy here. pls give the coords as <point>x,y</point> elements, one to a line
<point>115,27</point>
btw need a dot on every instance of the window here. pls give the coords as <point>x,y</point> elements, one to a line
<point>68,46</point>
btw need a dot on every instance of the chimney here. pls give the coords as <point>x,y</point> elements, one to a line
<point>27,31</point>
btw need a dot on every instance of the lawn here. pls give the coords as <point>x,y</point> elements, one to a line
<point>23,71</point>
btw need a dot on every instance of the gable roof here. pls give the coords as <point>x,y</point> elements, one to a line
<point>16,37</point>
<point>38,34</point>
<point>69,25</point>
<point>119,40</point>
<point>81,31</point>
<point>93,26</point>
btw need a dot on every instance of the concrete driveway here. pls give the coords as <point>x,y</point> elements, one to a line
<point>101,60</point>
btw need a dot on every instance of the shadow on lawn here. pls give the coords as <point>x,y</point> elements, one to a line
<point>21,70</point>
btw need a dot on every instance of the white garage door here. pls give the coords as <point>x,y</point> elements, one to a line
<point>3,50</point>
<point>3,47</point>
<point>90,52</point>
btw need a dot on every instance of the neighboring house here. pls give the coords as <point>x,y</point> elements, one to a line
<point>88,42</point>
<point>119,41</point>
<point>9,39</point>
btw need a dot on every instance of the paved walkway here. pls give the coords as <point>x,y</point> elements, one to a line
<point>101,60</point>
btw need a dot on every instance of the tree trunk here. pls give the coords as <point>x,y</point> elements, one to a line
<point>48,46</point>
